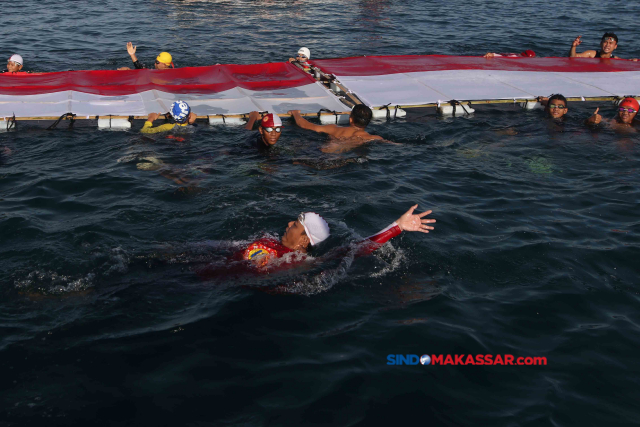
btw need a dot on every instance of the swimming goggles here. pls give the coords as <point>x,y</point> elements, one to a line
<point>301,219</point>
<point>628,110</point>
<point>272,129</point>
<point>554,106</point>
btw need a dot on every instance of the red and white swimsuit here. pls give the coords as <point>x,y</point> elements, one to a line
<point>264,251</point>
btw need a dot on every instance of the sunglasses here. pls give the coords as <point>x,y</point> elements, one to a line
<point>609,39</point>
<point>628,110</point>
<point>554,106</point>
<point>301,219</point>
<point>272,129</point>
<point>302,56</point>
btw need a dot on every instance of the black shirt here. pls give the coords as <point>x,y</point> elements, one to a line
<point>599,52</point>
<point>257,142</point>
<point>139,65</point>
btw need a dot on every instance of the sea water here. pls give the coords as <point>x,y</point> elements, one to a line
<point>104,318</point>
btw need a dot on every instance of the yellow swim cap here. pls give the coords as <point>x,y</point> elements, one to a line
<point>165,58</point>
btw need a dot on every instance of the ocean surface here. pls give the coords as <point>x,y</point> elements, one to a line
<point>104,319</point>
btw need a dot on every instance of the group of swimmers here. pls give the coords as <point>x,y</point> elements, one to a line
<point>310,229</point>
<point>608,44</point>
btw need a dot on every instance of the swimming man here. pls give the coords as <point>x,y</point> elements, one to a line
<point>627,111</point>
<point>181,114</point>
<point>358,120</point>
<point>555,105</point>
<point>527,54</point>
<point>608,44</point>
<point>303,56</point>
<point>269,130</point>
<point>14,64</point>
<point>309,230</point>
<point>163,61</point>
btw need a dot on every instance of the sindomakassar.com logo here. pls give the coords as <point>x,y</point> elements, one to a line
<point>464,359</point>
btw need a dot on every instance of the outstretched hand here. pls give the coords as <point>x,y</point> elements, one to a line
<point>152,116</point>
<point>577,41</point>
<point>131,48</point>
<point>411,222</point>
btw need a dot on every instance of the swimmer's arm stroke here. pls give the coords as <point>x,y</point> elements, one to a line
<point>407,222</point>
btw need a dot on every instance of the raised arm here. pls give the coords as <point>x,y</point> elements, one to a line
<point>407,222</point>
<point>305,124</point>
<point>585,54</point>
<point>131,49</point>
<point>253,116</point>
<point>543,100</point>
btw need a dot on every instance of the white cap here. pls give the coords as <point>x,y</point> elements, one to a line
<point>304,51</point>
<point>316,227</point>
<point>18,59</point>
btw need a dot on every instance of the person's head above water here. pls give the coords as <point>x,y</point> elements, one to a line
<point>627,110</point>
<point>304,54</point>
<point>360,116</point>
<point>309,229</point>
<point>270,129</point>
<point>557,106</point>
<point>181,113</point>
<point>14,64</point>
<point>609,42</point>
<point>164,61</point>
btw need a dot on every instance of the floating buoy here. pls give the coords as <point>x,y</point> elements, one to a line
<point>114,124</point>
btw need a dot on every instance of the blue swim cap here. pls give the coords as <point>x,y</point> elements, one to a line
<point>180,111</point>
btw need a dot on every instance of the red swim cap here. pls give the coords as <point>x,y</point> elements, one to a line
<point>630,102</point>
<point>528,53</point>
<point>270,121</point>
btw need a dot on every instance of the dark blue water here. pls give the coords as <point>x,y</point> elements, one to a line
<point>104,320</point>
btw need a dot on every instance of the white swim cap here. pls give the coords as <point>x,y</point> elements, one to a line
<point>315,226</point>
<point>18,59</point>
<point>304,51</point>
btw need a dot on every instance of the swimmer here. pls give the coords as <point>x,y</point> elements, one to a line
<point>555,105</point>
<point>302,58</point>
<point>163,61</point>
<point>181,114</point>
<point>526,54</point>
<point>309,230</point>
<point>608,44</point>
<point>14,64</point>
<point>627,111</point>
<point>269,130</point>
<point>354,133</point>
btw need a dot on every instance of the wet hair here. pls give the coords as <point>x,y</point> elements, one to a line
<point>361,115</point>
<point>612,35</point>
<point>559,98</point>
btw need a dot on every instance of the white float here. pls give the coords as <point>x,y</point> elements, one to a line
<point>532,105</point>
<point>227,121</point>
<point>113,124</point>
<point>461,109</point>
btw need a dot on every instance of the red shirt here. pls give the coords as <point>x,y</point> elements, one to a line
<point>265,251</point>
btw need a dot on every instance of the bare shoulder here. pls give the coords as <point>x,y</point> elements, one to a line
<point>587,54</point>
<point>366,135</point>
